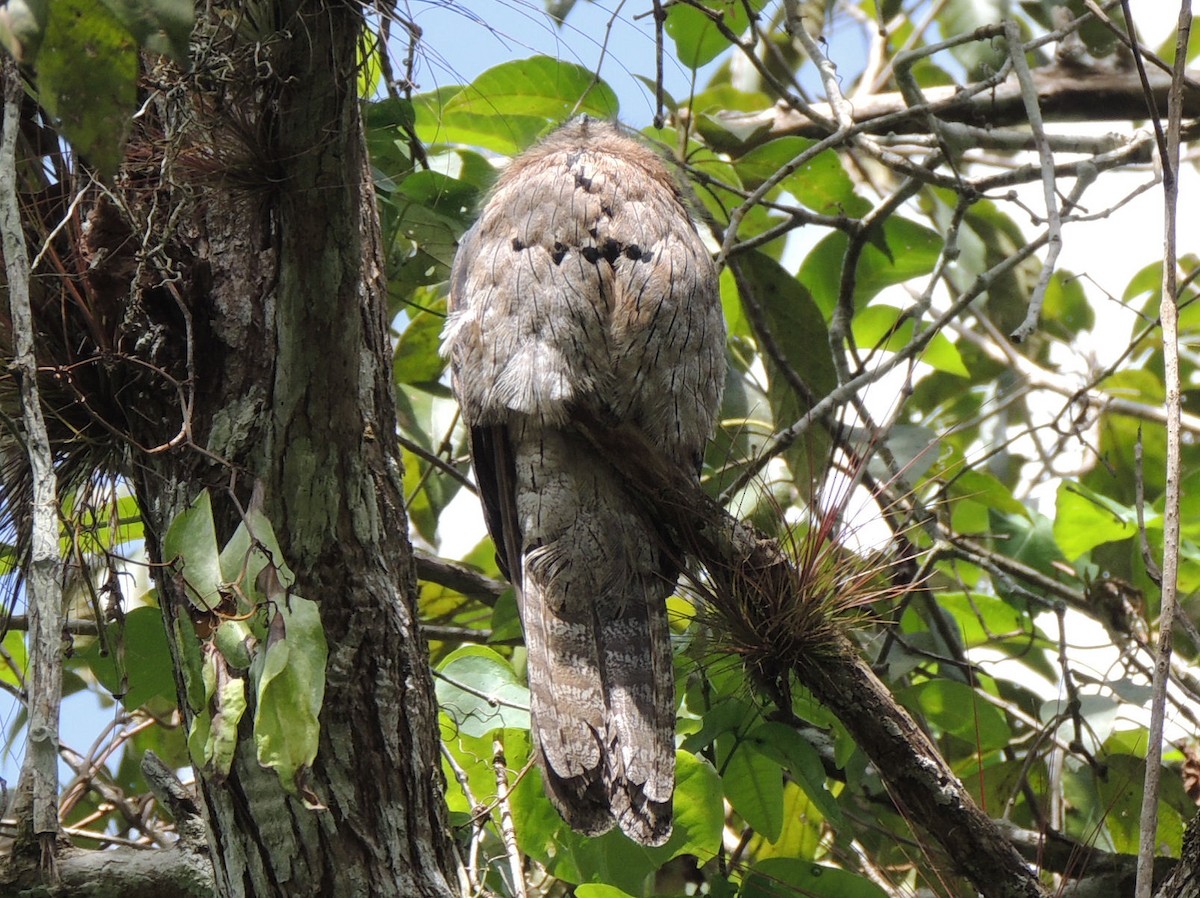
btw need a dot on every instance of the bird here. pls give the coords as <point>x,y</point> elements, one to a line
<point>584,292</point>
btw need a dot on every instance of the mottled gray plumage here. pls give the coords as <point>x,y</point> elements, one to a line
<point>584,286</point>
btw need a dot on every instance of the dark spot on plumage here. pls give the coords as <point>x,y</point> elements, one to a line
<point>582,180</point>
<point>560,252</point>
<point>595,234</point>
<point>606,211</point>
<point>633,252</point>
<point>517,244</point>
<point>609,251</point>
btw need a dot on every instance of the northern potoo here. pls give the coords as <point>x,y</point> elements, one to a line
<point>584,286</point>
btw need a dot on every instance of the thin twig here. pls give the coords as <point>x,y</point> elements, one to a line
<point>1016,50</point>
<point>1169,313</point>
<point>507,832</point>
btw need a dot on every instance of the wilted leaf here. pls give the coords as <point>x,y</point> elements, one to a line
<point>290,690</point>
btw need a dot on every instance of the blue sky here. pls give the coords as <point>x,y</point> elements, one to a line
<point>462,39</point>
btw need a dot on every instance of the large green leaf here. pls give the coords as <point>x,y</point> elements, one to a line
<point>290,689</point>
<point>904,250</point>
<point>417,360</point>
<point>511,104</point>
<point>1084,519</point>
<point>87,78</point>
<point>132,661</point>
<point>1028,539</point>
<point>821,183</point>
<point>697,38</point>
<point>478,691</point>
<point>956,708</point>
<point>753,783</point>
<point>799,330</point>
<point>16,658</point>
<point>191,543</point>
<point>886,327</point>
<point>252,547</point>
<point>227,706</point>
<point>801,760</point>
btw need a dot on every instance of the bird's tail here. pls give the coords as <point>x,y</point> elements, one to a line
<point>602,700</point>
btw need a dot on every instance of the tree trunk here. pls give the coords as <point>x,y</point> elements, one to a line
<point>278,320</point>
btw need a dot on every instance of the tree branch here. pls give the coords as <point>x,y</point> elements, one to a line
<point>754,582</point>
<point>118,872</point>
<point>36,802</point>
<point>1064,94</point>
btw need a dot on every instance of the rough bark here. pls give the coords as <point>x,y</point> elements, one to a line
<point>279,323</point>
<point>1064,94</point>
<point>1184,881</point>
<point>115,873</point>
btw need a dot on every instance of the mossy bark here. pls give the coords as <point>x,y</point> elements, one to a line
<point>279,335</point>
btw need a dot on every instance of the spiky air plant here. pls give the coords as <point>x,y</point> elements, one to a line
<point>777,618</point>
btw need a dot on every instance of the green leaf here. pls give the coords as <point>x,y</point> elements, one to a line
<point>480,693</point>
<point>956,708</point>
<point>416,359</point>
<point>510,105</point>
<point>290,689</point>
<point>506,618</point>
<point>1120,791</point>
<point>753,783</point>
<point>16,658</point>
<point>699,812</point>
<point>87,78</point>
<point>1065,309</point>
<point>252,548</point>
<point>980,486</point>
<point>191,664</point>
<point>599,890</point>
<point>160,26</point>
<point>191,542</point>
<point>235,641</point>
<point>697,37</point>
<point>800,332</point>
<point>1028,539</point>
<point>821,183</point>
<point>801,760</point>
<point>980,57</point>
<point>229,705</point>
<point>802,832</point>
<point>1084,519</point>
<point>783,877</point>
<point>137,667</point>
<point>903,251</point>
<point>985,619</point>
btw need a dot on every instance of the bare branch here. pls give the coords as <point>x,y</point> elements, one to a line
<point>1169,314</point>
<point>1063,95</point>
<point>37,792</point>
